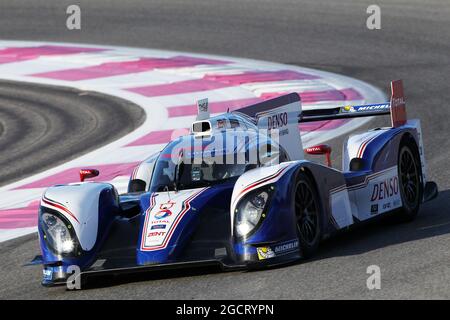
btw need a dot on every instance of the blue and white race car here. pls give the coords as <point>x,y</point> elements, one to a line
<point>236,192</point>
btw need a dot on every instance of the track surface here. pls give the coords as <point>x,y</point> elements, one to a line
<point>413,44</point>
<point>42,126</point>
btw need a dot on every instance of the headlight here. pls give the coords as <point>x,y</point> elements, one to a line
<point>58,234</point>
<point>251,210</point>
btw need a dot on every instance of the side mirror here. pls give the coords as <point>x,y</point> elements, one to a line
<point>88,173</point>
<point>321,149</point>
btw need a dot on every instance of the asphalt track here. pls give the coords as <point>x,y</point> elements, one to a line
<point>413,44</point>
<point>41,126</point>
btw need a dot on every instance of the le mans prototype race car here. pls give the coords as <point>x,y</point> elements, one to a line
<point>236,192</point>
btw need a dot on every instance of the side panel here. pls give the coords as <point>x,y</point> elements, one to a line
<point>379,193</point>
<point>341,209</point>
<point>375,188</point>
<point>277,234</point>
<point>334,196</point>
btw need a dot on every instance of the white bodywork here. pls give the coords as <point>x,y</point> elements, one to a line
<point>254,179</point>
<point>144,170</point>
<point>81,203</point>
<point>356,145</point>
<point>282,123</point>
<point>341,208</point>
<point>163,216</point>
<point>379,193</point>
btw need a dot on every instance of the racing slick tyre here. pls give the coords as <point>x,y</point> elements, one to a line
<point>410,179</point>
<point>308,214</point>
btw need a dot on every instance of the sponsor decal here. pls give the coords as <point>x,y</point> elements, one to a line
<point>280,249</point>
<point>156,234</point>
<point>158,226</point>
<point>277,121</point>
<point>398,112</point>
<point>398,101</point>
<point>364,108</point>
<point>160,222</point>
<point>385,189</point>
<point>164,213</point>
<point>164,210</point>
<point>314,149</point>
<point>202,105</point>
<point>347,109</point>
<point>374,209</point>
<point>265,253</point>
<point>286,247</point>
<point>47,274</point>
<point>373,107</point>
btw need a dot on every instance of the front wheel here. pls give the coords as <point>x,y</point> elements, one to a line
<point>410,182</point>
<point>308,214</point>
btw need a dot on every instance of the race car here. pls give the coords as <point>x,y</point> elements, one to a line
<point>237,192</point>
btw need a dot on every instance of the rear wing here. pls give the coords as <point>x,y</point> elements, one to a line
<point>279,116</point>
<point>395,107</point>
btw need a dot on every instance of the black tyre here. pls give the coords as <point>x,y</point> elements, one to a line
<point>410,179</point>
<point>308,214</point>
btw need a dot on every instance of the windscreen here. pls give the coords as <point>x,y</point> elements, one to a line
<point>170,176</point>
<point>193,162</point>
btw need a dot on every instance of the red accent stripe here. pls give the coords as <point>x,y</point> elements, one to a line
<point>147,217</point>
<point>358,155</point>
<point>362,148</point>
<point>276,174</point>
<point>257,183</point>
<point>135,171</point>
<point>61,207</point>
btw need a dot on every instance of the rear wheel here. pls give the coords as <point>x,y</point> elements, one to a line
<point>410,181</point>
<point>308,214</point>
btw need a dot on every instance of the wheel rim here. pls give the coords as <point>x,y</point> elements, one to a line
<point>409,177</point>
<point>306,213</point>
